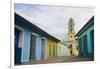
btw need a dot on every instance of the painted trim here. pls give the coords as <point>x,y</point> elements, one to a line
<point>30,44</point>
<point>16,26</point>
<point>43,38</point>
<point>86,26</point>
<point>35,34</point>
<point>21,40</point>
<point>29,47</point>
<point>24,61</point>
<point>46,48</point>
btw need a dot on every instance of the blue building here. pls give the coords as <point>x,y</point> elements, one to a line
<point>86,39</point>
<point>30,41</point>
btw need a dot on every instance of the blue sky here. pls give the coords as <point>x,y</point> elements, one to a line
<point>54,19</point>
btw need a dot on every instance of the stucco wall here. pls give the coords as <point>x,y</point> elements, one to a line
<point>52,43</point>
<point>63,50</point>
<point>26,46</point>
<point>26,42</point>
<point>87,32</point>
<point>40,52</point>
<point>38,48</point>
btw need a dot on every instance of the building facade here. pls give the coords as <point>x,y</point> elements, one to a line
<point>30,41</point>
<point>51,50</point>
<point>71,38</point>
<point>86,39</point>
<point>63,49</point>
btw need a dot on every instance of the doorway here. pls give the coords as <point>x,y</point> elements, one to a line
<point>18,48</point>
<point>43,49</point>
<point>32,47</point>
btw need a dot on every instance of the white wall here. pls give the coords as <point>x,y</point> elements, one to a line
<point>63,50</point>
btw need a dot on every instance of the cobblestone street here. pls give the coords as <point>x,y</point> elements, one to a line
<point>62,59</point>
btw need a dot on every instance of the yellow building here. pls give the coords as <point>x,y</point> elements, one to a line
<point>51,48</point>
<point>71,38</point>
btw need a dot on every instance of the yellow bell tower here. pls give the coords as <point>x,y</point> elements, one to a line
<point>71,38</point>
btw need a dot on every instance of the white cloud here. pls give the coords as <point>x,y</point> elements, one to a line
<point>54,19</point>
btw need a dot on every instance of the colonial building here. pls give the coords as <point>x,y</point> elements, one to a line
<point>63,49</point>
<point>31,42</point>
<point>71,38</point>
<point>51,49</point>
<point>86,39</point>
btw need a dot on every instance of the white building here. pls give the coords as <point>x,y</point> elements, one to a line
<point>63,50</point>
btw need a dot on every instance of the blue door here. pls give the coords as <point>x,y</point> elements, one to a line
<point>17,49</point>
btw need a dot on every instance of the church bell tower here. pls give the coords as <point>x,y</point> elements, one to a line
<point>71,37</point>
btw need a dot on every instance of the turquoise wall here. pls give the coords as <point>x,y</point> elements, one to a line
<point>87,32</point>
